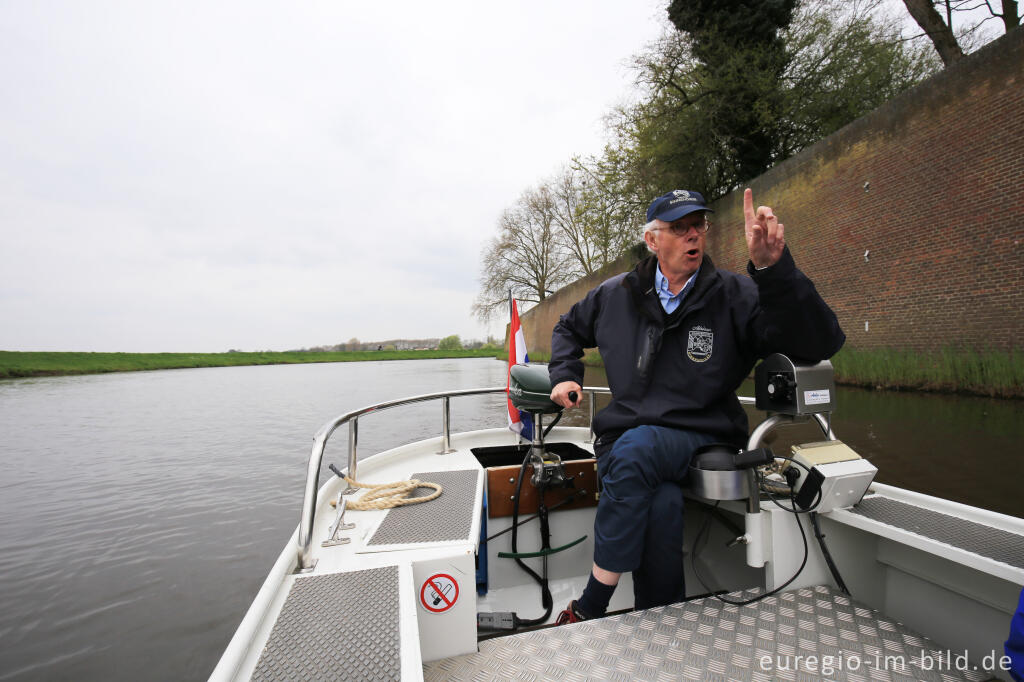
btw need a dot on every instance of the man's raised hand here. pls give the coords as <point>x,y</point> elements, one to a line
<point>765,234</point>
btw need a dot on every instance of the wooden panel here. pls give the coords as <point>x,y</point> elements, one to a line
<point>501,488</point>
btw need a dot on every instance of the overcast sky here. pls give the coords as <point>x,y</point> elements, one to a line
<point>196,176</point>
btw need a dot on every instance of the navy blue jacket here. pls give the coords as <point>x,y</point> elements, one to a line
<point>682,370</point>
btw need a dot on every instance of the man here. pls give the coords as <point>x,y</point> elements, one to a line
<point>677,337</point>
<point>1014,646</point>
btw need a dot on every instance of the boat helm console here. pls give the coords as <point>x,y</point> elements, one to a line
<point>815,477</point>
<point>530,391</point>
<point>822,476</point>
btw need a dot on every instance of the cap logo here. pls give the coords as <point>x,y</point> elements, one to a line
<point>676,203</point>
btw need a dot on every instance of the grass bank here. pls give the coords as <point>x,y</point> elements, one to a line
<point>989,373</point>
<point>32,364</point>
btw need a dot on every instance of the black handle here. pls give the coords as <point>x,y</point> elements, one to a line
<point>573,396</point>
<point>753,458</point>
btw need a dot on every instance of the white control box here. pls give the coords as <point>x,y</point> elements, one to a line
<point>836,471</point>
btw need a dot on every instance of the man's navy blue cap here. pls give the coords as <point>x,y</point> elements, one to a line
<point>676,204</point>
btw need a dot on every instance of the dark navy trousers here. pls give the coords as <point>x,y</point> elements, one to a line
<point>639,521</point>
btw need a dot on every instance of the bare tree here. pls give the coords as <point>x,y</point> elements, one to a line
<point>1010,15</point>
<point>614,216</point>
<point>571,214</point>
<point>595,227</point>
<point>938,31</point>
<point>525,257</point>
<point>950,43</point>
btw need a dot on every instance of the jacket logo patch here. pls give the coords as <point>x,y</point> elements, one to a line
<point>700,344</point>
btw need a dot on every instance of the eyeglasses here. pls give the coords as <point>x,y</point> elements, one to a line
<point>680,229</point>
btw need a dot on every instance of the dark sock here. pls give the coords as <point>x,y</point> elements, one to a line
<point>594,602</point>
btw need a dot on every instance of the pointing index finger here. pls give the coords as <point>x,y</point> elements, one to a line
<point>748,205</point>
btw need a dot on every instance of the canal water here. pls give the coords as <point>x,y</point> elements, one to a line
<point>962,448</point>
<point>142,511</point>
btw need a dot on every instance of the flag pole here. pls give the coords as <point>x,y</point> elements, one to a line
<point>508,368</point>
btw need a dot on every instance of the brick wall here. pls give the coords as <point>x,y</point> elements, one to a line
<point>909,220</point>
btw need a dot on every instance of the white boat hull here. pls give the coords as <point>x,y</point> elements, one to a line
<point>958,598</point>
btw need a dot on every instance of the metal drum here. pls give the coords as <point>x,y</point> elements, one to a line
<point>713,474</point>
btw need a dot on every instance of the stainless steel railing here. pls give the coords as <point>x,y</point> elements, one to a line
<point>305,539</point>
<point>309,498</point>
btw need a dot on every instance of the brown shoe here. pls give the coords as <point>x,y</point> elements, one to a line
<point>571,614</point>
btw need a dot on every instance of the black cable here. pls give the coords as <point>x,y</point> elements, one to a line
<point>546,600</point>
<point>696,549</point>
<point>696,543</point>
<point>811,511</point>
<point>794,510</point>
<point>557,419</point>
<point>723,519</point>
<point>813,514</point>
<point>828,556</point>
<point>786,584</point>
<point>572,498</point>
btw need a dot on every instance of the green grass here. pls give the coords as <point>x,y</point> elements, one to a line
<point>32,364</point>
<point>998,374</point>
<point>992,373</point>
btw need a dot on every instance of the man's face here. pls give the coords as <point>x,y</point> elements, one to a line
<point>679,245</point>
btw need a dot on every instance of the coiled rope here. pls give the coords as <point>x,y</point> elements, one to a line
<point>388,495</point>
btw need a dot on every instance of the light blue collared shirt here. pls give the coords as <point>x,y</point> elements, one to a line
<point>668,301</point>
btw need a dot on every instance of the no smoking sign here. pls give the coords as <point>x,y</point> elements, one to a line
<point>439,593</point>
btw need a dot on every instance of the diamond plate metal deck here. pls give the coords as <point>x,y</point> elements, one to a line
<point>710,640</point>
<point>976,538</point>
<point>449,517</point>
<point>341,626</point>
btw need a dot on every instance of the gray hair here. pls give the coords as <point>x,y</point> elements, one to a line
<point>650,227</point>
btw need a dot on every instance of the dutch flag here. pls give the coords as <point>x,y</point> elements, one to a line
<point>518,421</point>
